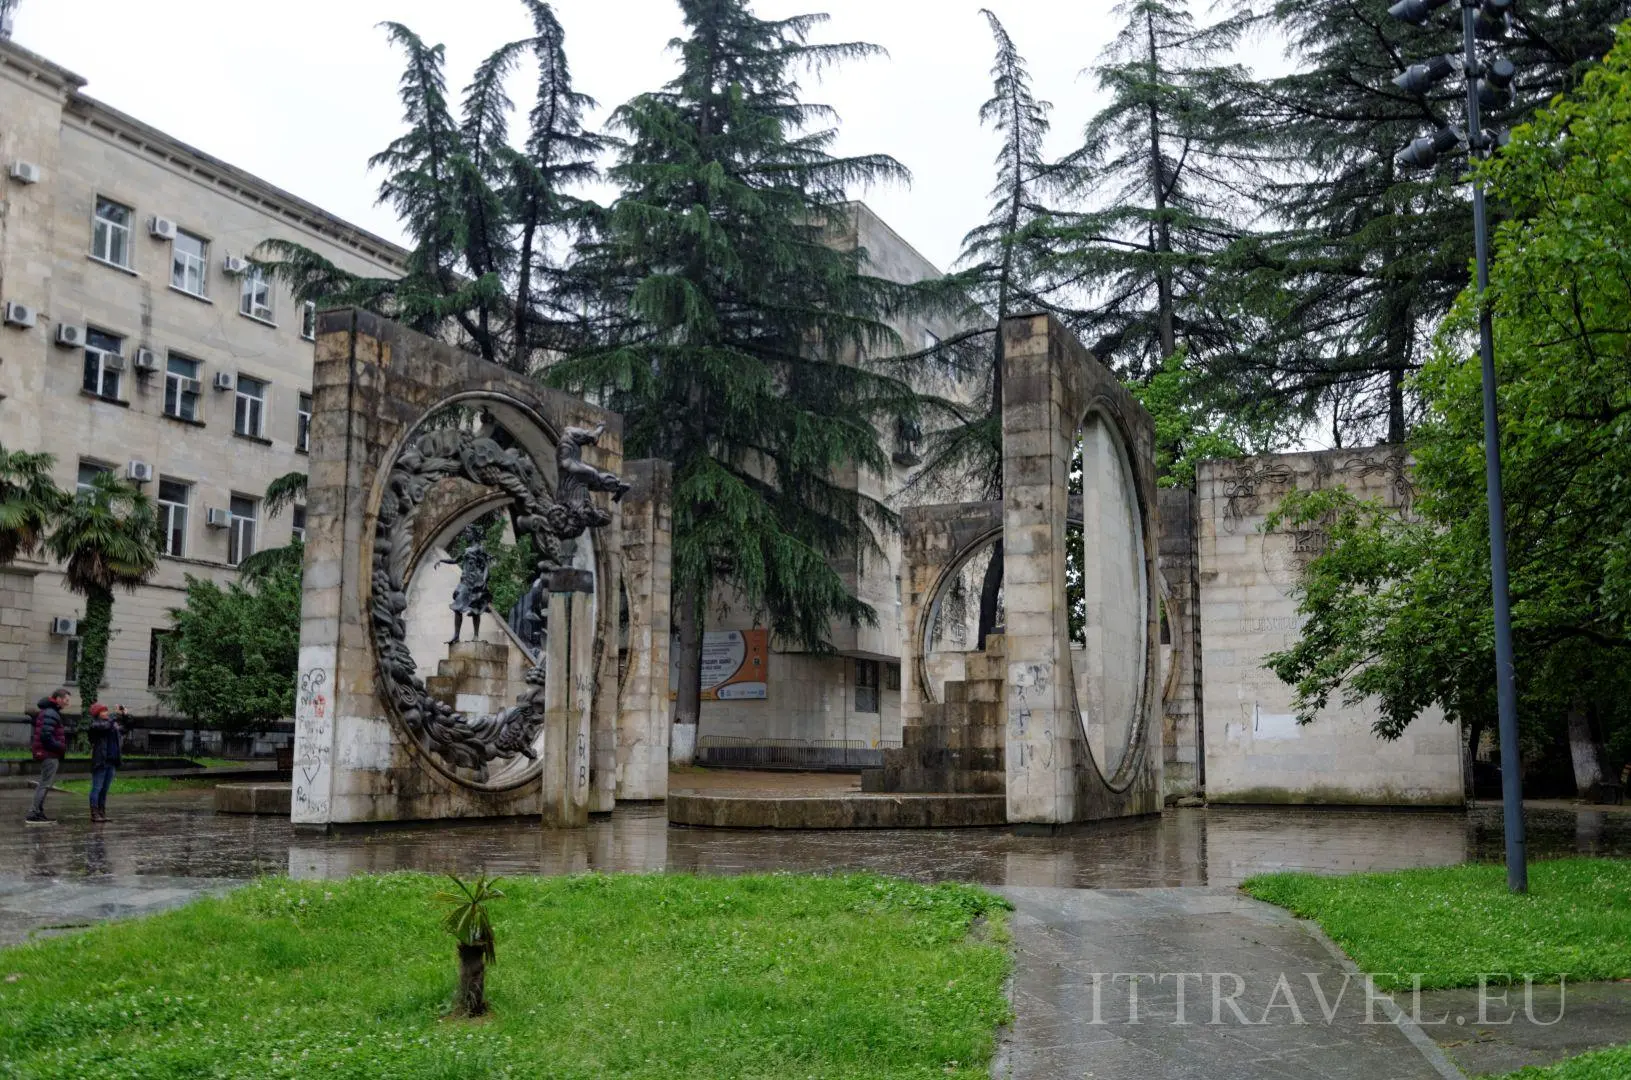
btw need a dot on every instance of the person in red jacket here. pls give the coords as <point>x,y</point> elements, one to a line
<point>49,745</point>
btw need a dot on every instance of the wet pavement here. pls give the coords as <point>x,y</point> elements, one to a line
<point>177,836</point>
<point>1193,984</point>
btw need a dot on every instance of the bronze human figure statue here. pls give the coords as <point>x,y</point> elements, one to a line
<point>471,596</point>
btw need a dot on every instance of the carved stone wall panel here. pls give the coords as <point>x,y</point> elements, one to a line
<point>362,753</point>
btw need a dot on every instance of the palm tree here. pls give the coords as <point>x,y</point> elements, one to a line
<point>28,502</point>
<point>106,537</point>
<point>471,925</point>
<point>285,491</point>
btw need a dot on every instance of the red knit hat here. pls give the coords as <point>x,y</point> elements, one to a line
<point>99,709</point>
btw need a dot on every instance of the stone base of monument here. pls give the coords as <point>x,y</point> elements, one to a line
<point>851,810</point>
<point>958,746</point>
<point>271,799</point>
<point>476,678</point>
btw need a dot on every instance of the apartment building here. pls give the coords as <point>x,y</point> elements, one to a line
<point>135,340</point>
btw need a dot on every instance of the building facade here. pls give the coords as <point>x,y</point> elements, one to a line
<point>136,342</point>
<point>853,695</point>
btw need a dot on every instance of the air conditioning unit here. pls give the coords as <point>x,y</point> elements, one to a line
<point>235,264</point>
<point>139,471</point>
<point>161,228</point>
<point>112,362</point>
<point>61,627</point>
<point>223,380</point>
<point>216,518</point>
<point>25,172</point>
<point>192,386</point>
<point>70,336</point>
<point>146,361</point>
<point>19,315</point>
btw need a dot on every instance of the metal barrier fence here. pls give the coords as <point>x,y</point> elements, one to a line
<point>838,755</point>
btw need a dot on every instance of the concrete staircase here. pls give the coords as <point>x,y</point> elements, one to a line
<point>958,748</point>
<point>474,679</point>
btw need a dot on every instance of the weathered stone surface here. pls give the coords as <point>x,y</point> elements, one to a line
<point>1255,752</point>
<point>1053,389</point>
<point>271,799</point>
<point>375,384</point>
<point>853,811</point>
<point>642,742</point>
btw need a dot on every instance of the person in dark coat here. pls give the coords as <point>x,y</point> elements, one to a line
<point>107,736</point>
<point>50,744</point>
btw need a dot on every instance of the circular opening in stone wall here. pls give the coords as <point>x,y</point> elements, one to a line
<point>1109,653</point>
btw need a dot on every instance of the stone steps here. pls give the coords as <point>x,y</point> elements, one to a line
<point>959,746</point>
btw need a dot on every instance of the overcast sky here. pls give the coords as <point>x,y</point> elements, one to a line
<point>302,92</point>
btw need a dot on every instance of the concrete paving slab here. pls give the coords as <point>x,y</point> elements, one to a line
<point>1192,983</point>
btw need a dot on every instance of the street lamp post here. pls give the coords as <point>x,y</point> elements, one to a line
<point>1488,19</point>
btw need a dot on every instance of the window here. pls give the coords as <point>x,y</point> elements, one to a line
<point>298,532</point>
<point>891,677</point>
<point>189,263</point>
<point>88,472</point>
<point>308,320</point>
<point>173,517</point>
<point>241,535</point>
<point>302,435</point>
<point>255,295</point>
<point>103,353</point>
<point>160,646</point>
<point>866,686</point>
<point>70,674</point>
<point>181,387</point>
<point>110,233</point>
<point>250,416</point>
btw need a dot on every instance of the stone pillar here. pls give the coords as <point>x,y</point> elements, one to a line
<point>1051,386</point>
<point>569,681</point>
<point>643,717</point>
<point>1181,719</point>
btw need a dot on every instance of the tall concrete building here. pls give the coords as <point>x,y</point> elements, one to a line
<point>134,342</point>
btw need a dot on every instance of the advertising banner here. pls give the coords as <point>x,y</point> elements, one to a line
<point>735,666</point>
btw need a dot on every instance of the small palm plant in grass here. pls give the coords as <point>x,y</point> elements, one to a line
<point>472,927</point>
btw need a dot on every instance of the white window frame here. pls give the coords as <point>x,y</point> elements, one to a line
<point>169,513</point>
<point>99,356</point>
<point>255,296</point>
<point>172,387</point>
<point>308,320</point>
<point>302,430</point>
<point>297,522</point>
<point>104,230</point>
<point>184,265</point>
<point>240,524</point>
<point>248,407</point>
<point>160,645</point>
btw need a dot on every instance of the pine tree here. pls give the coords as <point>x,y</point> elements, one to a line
<point>1364,258</point>
<point>484,216</point>
<point>1001,260</point>
<point>739,360</point>
<point>1164,162</point>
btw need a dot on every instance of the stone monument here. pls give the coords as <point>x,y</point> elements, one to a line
<point>413,440</point>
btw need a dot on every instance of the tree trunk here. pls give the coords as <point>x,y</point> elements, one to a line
<point>688,626</point>
<point>471,999</point>
<point>1586,754</point>
<point>1166,317</point>
<point>94,632</point>
<point>990,589</point>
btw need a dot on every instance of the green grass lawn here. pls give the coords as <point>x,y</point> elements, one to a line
<point>23,753</point>
<point>657,976</point>
<point>1614,1064</point>
<point>136,785</point>
<point>1453,923</point>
